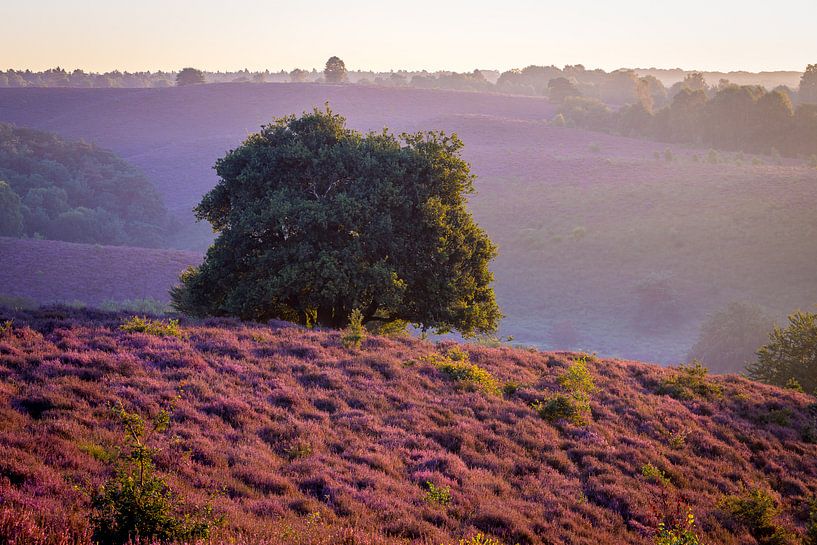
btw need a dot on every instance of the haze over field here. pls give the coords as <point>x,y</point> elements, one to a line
<point>377,273</point>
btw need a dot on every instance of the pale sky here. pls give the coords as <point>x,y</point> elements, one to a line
<point>102,35</point>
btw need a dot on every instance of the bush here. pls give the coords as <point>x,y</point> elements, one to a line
<point>159,328</point>
<point>756,511</point>
<point>144,306</point>
<point>679,533</point>
<point>439,495</point>
<point>690,381</point>
<point>480,539</point>
<point>138,504</point>
<point>791,354</point>
<point>653,474</point>
<point>810,537</point>
<point>457,366</point>
<point>574,404</point>
<point>730,338</point>
<point>355,333</point>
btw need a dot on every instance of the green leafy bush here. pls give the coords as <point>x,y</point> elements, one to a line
<point>457,366</point>
<point>439,495</point>
<point>137,503</point>
<point>159,328</point>
<point>654,474</point>
<point>678,534</point>
<point>355,333</point>
<point>690,382</point>
<point>572,405</point>
<point>756,511</point>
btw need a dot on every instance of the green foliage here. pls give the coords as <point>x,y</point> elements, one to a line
<point>314,220</point>
<point>730,338</point>
<point>654,474</point>
<point>11,216</point>
<point>457,366</point>
<point>298,449</point>
<point>810,537</point>
<point>572,405</point>
<point>689,382</point>
<point>69,190</point>
<point>791,354</point>
<point>756,511</point>
<point>136,502</point>
<point>159,328</point>
<point>189,76</point>
<point>6,327</point>
<point>678,534</point>
<point>439,495</point>
<point>335,71</point>
<point>355,333</point>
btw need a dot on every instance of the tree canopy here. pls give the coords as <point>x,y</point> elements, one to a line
<point>73,191</point>
<point>335,71</point>
<point>790,357</point>
<point>189,76</point>
<point>315,220</point>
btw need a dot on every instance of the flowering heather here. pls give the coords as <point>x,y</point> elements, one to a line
<point>295,439</point>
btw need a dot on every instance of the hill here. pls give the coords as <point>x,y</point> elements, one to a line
<point>294,438</point>
<point>48,271</point>
<point>603,246</point>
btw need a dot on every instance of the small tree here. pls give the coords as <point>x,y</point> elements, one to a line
<point>315,220</point>
<point>808,85</point>
<point>335,71</point>
<point>189,76</point>
<point>11,217</point>
<point>790,355</point>
<point>137,503</point>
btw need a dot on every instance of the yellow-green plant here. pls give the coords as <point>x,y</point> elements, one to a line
<point>355,333</point>
<point>159,328</point>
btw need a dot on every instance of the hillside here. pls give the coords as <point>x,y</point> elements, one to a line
<point>587,223</point>
<point>299,440</point>
<point>48,271</point>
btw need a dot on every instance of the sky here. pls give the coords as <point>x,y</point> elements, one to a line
<point>102,35</point>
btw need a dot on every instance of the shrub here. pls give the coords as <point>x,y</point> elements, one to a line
<point>690,381</point>
<point>712,157</point>
<point>574,405</point>
<point>159,328</point>
<point>439,495</point>
<point>810,537</point>
<point>17,303</point>
<point>355,333</point>
<point>457,366</point>
<point>678,534</point>
<point>594,148</point>
<point>138,504</point>
<point>790,354</point>
<point>480,539</point>
<point>756,511</point>
<point>812,161</point>
<point>144,306</point>
<point>653,474</point>
<point>668,156</point>
<point>6,327</point>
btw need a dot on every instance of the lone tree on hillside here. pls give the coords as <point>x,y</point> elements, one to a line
<point>189,76</point>
<point>335,71</point>
<point>315,220</point>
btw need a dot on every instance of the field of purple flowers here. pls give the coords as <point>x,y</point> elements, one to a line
<point>295,439</point>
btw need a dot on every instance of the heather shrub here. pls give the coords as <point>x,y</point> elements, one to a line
<point>159,328</point>
<point>137,503</point>
<point>439,495</point>
<point>791,353</point>
<point>678,534</point>
<point>457,366</point>
<point>756,511</point>
<point>690,382</point>
<point>355,333</point>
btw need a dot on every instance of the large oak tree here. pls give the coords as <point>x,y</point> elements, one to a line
<point>315,220</point>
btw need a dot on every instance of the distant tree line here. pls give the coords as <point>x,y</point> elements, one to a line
<point>730,117</point>
<point>614,88</point>
<point>73,191</point>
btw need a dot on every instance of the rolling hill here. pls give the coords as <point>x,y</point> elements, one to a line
<point>296,439</point>
<point>591,227</point>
